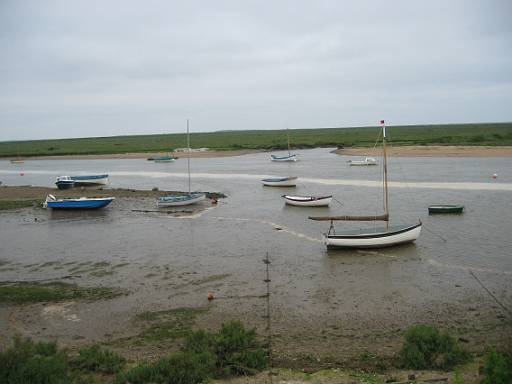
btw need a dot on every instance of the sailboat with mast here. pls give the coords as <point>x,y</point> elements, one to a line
<point>18,159</point>
<point>290,157</point>
<point>371,238</point>
<point>185,199</point>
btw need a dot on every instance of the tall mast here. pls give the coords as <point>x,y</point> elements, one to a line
<point>386,212</point>
<point>188,157</point>
<point>288,133</point>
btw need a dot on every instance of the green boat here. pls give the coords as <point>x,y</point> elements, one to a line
<point>445,208</point>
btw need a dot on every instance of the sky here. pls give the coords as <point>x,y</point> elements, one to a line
<point>82,68</point>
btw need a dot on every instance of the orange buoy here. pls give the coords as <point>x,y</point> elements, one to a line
<point>214,201</point>
<point>210,296</point>
<point>22,173</point>
<point>494,175</point>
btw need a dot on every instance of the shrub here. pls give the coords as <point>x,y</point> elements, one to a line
<point>497,368</point>
<point>35,363</point>
<point>96,359</point>
<point>427,348</point>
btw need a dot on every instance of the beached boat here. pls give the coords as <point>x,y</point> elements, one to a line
<point>64,182</point>
<point>79,203</point>
<point>308,201</point>
<point>163,159</point>
<point>188,198</point>
<point>373,237</point>
<point>290,158</point>
<point>90,179</point>
<point>445,208</point>
<point>280,181</point>
<point>366,161</point>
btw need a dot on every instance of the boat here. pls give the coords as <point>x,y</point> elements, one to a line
<point>374,237</point>
<point>163,159</point>
<point>79,203</point>
<point>445,208</point>
<point>280,181</point>
<point>366,161</point>
<point>18,159</point>
<point>90,179</point>
<point>64,182</point>
<point>185,199</point>
<point>288,158</point>
<point>308,201</point>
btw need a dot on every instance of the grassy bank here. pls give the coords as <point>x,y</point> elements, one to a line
<point>449,134</point>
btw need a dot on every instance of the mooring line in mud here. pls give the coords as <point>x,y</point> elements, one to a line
<point>489,292</point>
<point>276,226</point>
<point>436,263</point>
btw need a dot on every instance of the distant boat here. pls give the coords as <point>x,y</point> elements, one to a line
<point>290,157</point>
<point>186,199</point>
<point>80,203</point>
<point>280,181</point>
<point>64,182</point>
<point>90,179</point>
<point>308,201</point>
<point>18,159</point>
<point>366,161</point>
<point>372,237</point>
<point>443,208</point>
<point>163,159</point>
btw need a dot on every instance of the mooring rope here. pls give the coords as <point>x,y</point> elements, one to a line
<point>489,292</point>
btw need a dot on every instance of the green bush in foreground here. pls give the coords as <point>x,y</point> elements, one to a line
<point>34,363</point>
<point>96,359</point>
<point>497,368</point>
<point>427,348</point>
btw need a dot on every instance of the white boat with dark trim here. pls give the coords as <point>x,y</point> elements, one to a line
<point>90,179</point>
<point>373,237</point>
<point>307,201</point>
<point>280,181</point>
<point>366,161</point>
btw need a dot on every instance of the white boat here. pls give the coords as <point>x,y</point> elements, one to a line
<point>290,158</point>
<point>366,161</point>
<point>373,237</point>
<point>185,199</point>
<point>90,179</point>
<point>280,181</point>
<point>308,201</point>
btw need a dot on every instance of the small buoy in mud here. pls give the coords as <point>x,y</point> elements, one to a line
<point>22,173</point>
<point>210,296</point>
<point>214,201</point>
<point>494,175</point>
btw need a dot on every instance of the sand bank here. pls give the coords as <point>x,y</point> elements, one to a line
<point>434,151</point>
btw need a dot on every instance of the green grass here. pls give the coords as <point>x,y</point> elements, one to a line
<point>448,134</point>
<point>97,359</point>
<point>32,292</point>
<point>16,204</point>
<point>497,368</point>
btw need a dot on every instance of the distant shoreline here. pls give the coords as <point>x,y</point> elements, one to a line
<point>430,151</point>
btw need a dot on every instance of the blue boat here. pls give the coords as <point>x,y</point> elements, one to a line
<point>178,200</point>
<point>80,203</point>
<point>90,179</point>
<point>64,182</point>
<point>283,158</point>
<point>163,159</point>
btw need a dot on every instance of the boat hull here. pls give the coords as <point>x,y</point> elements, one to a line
<point>79,203</point>
<point>163,159</point>
<point>177,201</point>
<point>434,209</point>
<point>90,180</point>
<point>307,201</point>
<point>290,158</point>
<point>381,239</point>
<point>280,182</point>
<point>65,184</point>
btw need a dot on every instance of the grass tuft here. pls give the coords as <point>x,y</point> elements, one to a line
<point>497,368</point>
<point>97,359</point>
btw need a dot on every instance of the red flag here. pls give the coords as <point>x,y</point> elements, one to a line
<point>382,121</point>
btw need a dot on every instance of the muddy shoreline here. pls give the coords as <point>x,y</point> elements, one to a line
<point>429,151</point>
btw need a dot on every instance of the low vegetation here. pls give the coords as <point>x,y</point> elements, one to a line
<point>448,134</point>
<point>97,359</point>
<point>425,347</point>
<point>17,204</point>
<point>31,292</point>
<point>497,368</point>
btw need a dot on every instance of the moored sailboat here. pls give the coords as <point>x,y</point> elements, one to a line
<point>290,157</point>
<point>374,237</point>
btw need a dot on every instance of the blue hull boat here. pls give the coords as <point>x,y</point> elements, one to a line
<point>90,179</point>
<point>64,182</point>
<point>179,200</point>
<point>80,203</point>
<point>163,159</point>
<point>283,158</point>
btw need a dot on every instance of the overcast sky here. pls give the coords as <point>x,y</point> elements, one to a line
<point>102,68</point>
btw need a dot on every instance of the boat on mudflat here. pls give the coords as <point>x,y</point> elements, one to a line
<point>366,161</point>
<point>64,182</point>
<point>445,208</point>
<point>163,159</point>
<point>179,200</point>
<point>283,158</point>
<point>280,181</point>
<point>308,201</point>
<point>79,203</point>
<point>90,179</point>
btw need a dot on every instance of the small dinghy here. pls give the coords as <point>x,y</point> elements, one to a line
<point>64,182</point>
<point>280,181</point>
<point>80,203</point>
<point>179,200</point>
<point>308,201</point>
<point>444,208</point>
<point>90,179</point>
<point>283,158</point>
<point>163,159</point>
<point>366,161</point>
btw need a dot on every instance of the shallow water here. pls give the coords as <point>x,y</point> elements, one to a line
<point>309,283</point>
